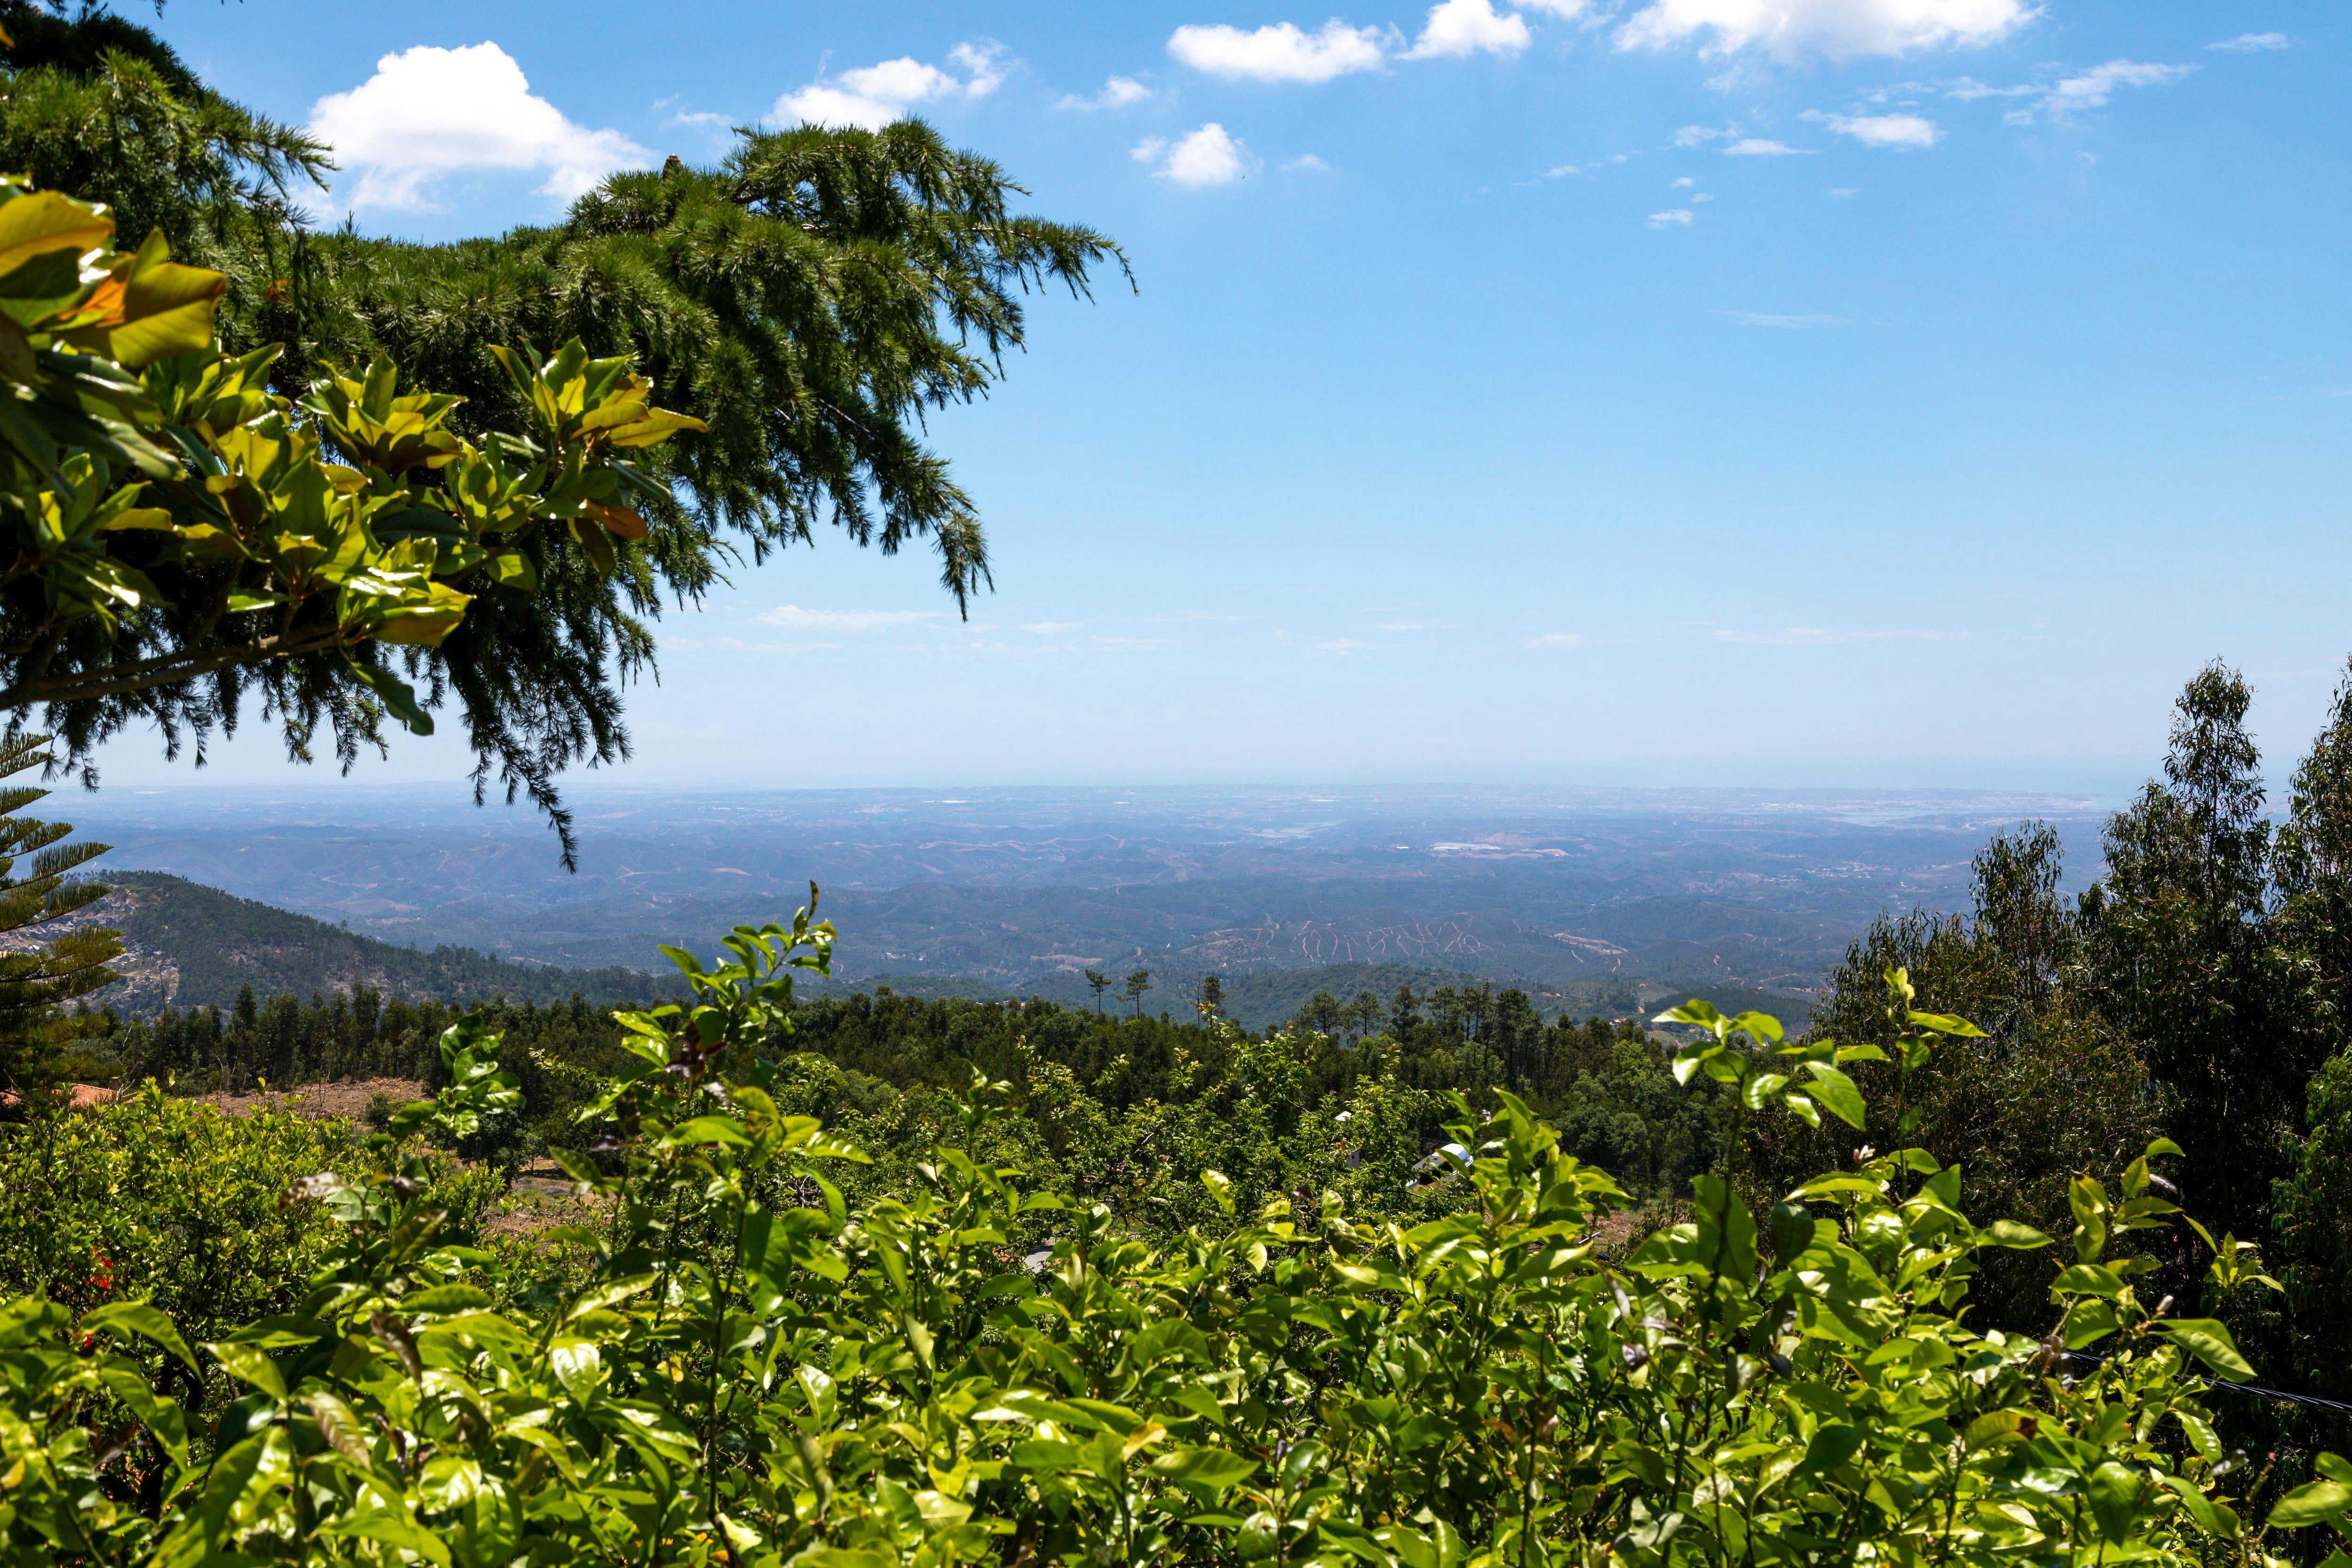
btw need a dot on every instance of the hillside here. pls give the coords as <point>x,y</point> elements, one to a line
<point>191,945</point>
<point>188,946</point>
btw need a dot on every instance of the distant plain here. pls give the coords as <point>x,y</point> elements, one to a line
<point>1593,899</point>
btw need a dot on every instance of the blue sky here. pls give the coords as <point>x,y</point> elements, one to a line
<point>1777,391</point>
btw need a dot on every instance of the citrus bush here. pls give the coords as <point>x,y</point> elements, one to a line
<point>741,1366</point>
<point>167,1200</point>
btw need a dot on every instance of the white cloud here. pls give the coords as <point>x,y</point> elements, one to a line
<point>1679,217</point>
<point>1051,628</point>
<point>1305,162</point>
<point>429,112</point>
<point>1758,147</point>
<point>875,95</point>
<point>1562,8</point>
<point>1209,156</point>
<point>1457,27</point>
<point>1557,640</point>
<point>1700,135</point>
<point>1968,89</point>
<point>1827,636</point>
<point>1342,646</point>
<point>1118,92</point>
<point>800,620</point>
<point>2095,87</point>
<point>1902,132</point>
<point>1839,28</point>
<point>2253,43</point>
<point>1280,52</point>
<point>1843,192</point>
<point>1684,184</point>
<point>697,120</point>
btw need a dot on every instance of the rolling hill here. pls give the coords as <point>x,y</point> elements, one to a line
<point>188,946</point>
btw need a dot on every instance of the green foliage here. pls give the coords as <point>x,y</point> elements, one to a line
<point>37,976</point>
<point>165,1200</point>
<point>2182,955</point>
<point>217,943</point>
<point>736,1364</point>
<point>2048,1091</point>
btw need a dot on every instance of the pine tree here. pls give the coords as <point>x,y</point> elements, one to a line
<point>40,973</point>
<point>812,298</point>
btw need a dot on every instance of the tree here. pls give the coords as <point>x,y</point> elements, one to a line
<point>2023,922</point>
<point>1097,982</point>
<point>2313,869</point>
<point>38,976</point>
<point>177,534</point>
<point>1137,984</point>
<point>1210,998</point>
<point>2049,1090</point>
<point>2181,955</point>
<point>809,301</point>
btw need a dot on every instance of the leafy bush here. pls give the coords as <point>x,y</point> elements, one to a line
<point>741,1366</point>
<point>169,1201</point>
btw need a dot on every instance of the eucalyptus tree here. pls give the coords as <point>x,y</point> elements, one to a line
<point>2182,953</point>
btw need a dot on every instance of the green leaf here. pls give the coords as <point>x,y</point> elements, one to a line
<point>2092,1279</point>
<point>1213,1469</point>
<point>606,1294</point>
<point>399,700</point>
<point>709,1130</point>
<point>2311,1504</point>
<point>1822,1185</point>
<point>2115,1500</point>
<point>577,1365</point>
<point>1831,1446</point>
<point>2201,1436</point>
<point>2211,1343</point>
<point>252,1365</point>
<point>1833,1089</point>
<point>2088,1321</point>
<point>139,1318</point>
<point>395,1529</point>
<point>2192,1497</point>
<point>2009,1233</point>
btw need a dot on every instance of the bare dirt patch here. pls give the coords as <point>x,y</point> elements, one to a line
<point>1613,1232</point>
<point>322,1101</point>
<point>541,1196</point>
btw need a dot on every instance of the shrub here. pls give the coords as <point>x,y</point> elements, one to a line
<point>727,1372</point>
